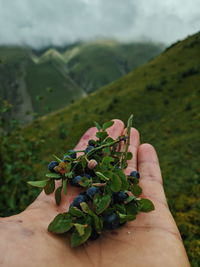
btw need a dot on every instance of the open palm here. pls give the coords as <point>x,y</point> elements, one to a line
<point>151,240</point>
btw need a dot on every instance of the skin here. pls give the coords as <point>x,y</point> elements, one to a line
<point>151,240</point>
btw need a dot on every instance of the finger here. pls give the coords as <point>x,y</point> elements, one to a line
<point>133,147</point>
<point>83,142</point>
<point>116,129</point>
<point>150,174</point>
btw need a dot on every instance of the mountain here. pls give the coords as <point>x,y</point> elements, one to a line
<point>164,97</point>
<point>95,64</point>
<point>32,85</point>
<point>37,82</point>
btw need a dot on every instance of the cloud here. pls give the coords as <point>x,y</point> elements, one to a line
<point>57,22</point>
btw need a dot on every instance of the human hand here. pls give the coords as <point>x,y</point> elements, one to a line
<point>151,240</point>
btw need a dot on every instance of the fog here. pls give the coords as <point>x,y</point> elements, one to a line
<point>40,23</point>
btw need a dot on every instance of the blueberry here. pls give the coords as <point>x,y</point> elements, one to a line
<point>72,155</point>
<point>91,142</point>
<point>78,199</point>
<point>119,197</point>
<point>85,195</point>
<point>52,165</point>
<point>135,174</point>
<point>87,175</point>
<point>75,181</point>
<point>111,221</point>
<point>92,191</point>
<point>88,149</point>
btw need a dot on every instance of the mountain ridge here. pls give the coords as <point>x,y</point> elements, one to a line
<point>67,74</point>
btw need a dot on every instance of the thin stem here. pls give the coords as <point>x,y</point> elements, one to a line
<point>124,156</point>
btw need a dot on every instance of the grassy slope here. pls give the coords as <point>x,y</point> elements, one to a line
<point>163,95</point>
<point>69,74</point>
<point>93,65</point>
<point>17,65</point>
<point>48,75</point>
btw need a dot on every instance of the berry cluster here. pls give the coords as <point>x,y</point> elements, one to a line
<point>108,198</point>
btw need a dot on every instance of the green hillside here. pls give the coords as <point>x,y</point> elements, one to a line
<point>164,96</point>
<point>33,86</point>
<point>93,65</point>
<point>37,83</point>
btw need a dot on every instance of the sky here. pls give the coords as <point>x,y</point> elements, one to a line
<point>40,23</point>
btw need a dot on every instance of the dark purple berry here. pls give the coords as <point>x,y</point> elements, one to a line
<point>111,221</point>
<point>94,235</point>
<point>88,149</point>
<point>135,174</point>
<point>75,181</point>
<point>92,191</point>
<point>52,165</point>
<point>119,197</point>
<point>72,155</point>
<point>78,199</point>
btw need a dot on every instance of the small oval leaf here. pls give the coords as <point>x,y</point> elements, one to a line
<point>40,184</point>
<point>77,240</point>
<point>58,195</point>
<point>146,205</point>
<point>115,183</point>
<point>50,187</point>
<point>60,224</point>
<point>101,202</point>
<point>107,125</point>
<point>65,187</point>
<point>136,190</point>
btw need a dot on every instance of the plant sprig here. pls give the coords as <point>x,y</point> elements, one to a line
<point>110,198</point>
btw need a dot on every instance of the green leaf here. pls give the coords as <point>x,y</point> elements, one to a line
<point>102,176</point>
<point>106,150</point>
<point>53,175</point>
<point>61,224</point>
<point>107,125</point>
<point>123,177</point>
<point>101,202</point>
<point>126,217</point>
<point>85,182</point>
<point>86,208</point>
<point>130,198</point>
<point>133,180</point>
<point>76,212</point>
<point>119,208</point>
<point>80,228</point>
<point>59,160</point>
<point>97,125</point>
<point>77,240</point>
<point>101,135</point>
<point>107,160</point>
<point>129,156</point>
<point>131,208</point>
<point>146,205</point>
<point>69,174</point>
<point>136,190</point>
<point>38,183</point>
<point>58,195</point>
<point>64,184</point>
<point>50,187</point>
<point>115,183</point>
<point>97,221</point>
